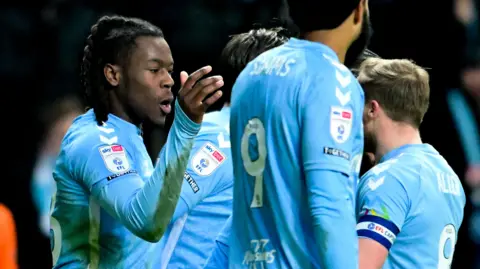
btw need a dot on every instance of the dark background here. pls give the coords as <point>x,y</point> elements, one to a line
<point>41,46</point>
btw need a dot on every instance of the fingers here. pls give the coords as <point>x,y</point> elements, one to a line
<point>206,82</point>
<point>212,99</point>
<point>183,78</point>
<point>205,87</point>
<point>202,89</point>
<point>192,79</point>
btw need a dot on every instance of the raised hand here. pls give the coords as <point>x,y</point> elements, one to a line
<point>193,92</point>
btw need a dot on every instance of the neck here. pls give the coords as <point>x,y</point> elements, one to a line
<point>394,135</point>
<point>119,110</point>
<point>331,38</point>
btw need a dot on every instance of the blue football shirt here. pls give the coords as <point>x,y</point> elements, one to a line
<point>110,199</point>
<point>43,188</point>
<point>219,256</point>
<point>412,203</point>
<point>297,142</point>
<point>206,198</point>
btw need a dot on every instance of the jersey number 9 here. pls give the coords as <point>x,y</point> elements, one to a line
<point>255,168</point>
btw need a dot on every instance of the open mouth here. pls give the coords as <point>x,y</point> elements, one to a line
<point>166,106</point>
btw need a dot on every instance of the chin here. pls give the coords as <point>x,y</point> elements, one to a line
<point>159,120</point>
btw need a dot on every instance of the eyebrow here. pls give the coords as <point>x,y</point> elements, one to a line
<point>160,62</point>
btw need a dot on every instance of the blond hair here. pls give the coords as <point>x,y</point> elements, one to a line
<point>400,87</point>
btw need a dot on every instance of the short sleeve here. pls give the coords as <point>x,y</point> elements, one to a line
<point>382,208</point>
<point>94,159</point>
<point>208,169</point>
<point>330,117</point>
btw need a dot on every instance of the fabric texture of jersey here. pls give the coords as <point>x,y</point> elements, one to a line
<point>219,257</point>
<point>43,189</point>
<point>296,112</point>
<point>412,203</point>
<point>101,200</point>
<point>206,196</point>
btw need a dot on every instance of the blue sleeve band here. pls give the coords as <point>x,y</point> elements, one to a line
<point>379,229</point>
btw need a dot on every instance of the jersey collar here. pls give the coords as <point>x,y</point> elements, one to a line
<point>407,149</point>
<point>302,43</point>
<point>118,121</point>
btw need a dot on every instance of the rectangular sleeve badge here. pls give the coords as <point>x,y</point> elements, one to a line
<point>207,159</point>
<point>340,123</point>
<point>115,158</point>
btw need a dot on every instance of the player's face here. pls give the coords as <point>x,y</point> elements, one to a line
<point>148,80</point>
<point>361,43</point>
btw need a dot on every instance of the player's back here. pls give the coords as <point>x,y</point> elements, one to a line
<point>272,224</point>
<point>433,210</point>
<point>83,234</point>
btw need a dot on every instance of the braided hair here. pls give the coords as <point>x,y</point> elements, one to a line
<point>110,42</point>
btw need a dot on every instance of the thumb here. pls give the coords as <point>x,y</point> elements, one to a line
<point>183,77</point>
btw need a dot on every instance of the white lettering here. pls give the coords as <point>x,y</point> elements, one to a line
<point>279,66</point>
<point>448,183</point>
<point>258,254</point>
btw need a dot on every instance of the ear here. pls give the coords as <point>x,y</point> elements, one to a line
<point>112,74</point>
<point>359,11</point>
<point>372,108</point>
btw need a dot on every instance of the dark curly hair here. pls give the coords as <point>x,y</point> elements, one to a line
<point>110,42</point>
<point>243,48</point>
<point>365,55</point>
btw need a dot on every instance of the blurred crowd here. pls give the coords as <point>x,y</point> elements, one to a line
<point>41,48</point>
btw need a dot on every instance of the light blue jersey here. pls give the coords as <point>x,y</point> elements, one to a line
<point>219,256</point>
<point>110,199</point>
<point>206,198</point>
<point>412,203</point>
<point>297,142</point>
<point>43,188</point>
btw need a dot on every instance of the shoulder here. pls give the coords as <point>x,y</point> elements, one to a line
<point>212,132</point>
<point>330,78</point>
<point>211,150</point>
<point>395,175</point>
<point>85,136</point>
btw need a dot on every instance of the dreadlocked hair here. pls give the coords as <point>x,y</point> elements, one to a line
<point>110,41</point>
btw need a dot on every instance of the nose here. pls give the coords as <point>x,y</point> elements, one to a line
<point>168,82</point>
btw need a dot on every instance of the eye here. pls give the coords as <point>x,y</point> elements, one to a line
<point>154,71</point>
<point>170,72</point>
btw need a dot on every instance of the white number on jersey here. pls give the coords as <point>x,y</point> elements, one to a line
<point>446,246</point>
<point>255,168</point>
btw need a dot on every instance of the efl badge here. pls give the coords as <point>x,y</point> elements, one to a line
<point>115,158</point>
<point>340,123</point>
<point>207,159</point>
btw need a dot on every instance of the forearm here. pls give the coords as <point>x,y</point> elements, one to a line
<point>333,219</point>
<point>147,209</point>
